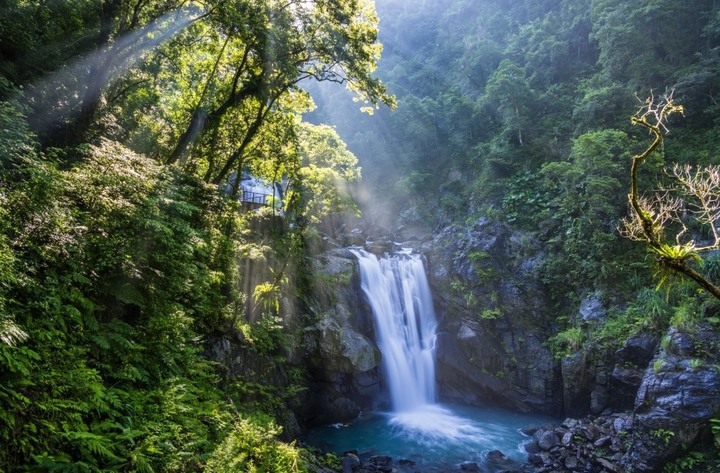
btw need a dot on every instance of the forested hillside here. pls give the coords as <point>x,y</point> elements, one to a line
<point>511,150</point>
<point>130,266</point>
<point>521,111</point>
<point>127,260</point>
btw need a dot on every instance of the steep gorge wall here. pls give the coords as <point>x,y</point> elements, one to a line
<point>492,348</point>
<point>339,343</point>
<point>493,321</point>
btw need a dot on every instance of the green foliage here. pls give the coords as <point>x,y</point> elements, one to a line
<point>663,435</point>
<point>582,199</point>
<point>110,370</point>
<point>715,428</point>
<point>490,314</point>
<point>567,342</point>
<point>684,317</point>
<point>690,462</point>
<point>465,292</point>
<point>252,447</point>
<point>669,256</point>
<point>484,272</point>
<point>116,272</point>
<point>529,102</point>
<point>119,270</point>
<point>649,311</point>
<point>320,183</point>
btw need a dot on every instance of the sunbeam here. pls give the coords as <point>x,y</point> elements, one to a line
<point>57,98</point>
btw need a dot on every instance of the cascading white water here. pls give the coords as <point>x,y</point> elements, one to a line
<point>441,436</point>
<point>399,295</point>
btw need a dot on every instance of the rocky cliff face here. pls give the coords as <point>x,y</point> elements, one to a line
<point>678,396</point>
<point>339,346</point>
<point>492,328</point>
<point>491,350</point>
<point>597,380</point>
<point>493,323</point>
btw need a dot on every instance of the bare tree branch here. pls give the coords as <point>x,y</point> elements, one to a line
<point>694,197</point>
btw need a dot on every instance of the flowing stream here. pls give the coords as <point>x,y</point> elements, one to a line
<point>435,437</point>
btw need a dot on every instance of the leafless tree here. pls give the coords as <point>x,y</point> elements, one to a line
<point>693,197</point>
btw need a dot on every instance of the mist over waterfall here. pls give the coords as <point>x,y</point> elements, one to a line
<point>398,292</point>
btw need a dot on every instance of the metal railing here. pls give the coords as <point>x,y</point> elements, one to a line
<point>254,197</point>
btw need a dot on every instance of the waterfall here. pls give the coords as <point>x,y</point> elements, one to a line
<point>398,292</point>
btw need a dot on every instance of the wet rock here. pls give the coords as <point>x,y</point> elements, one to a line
<point>343,409</point>
<point>537,459</point>
<point>380,460</point>
<point>677,398</point>
<point>625,382</point>
<point>497,456</point>
<point>591,432</point>
<point>622,423</point>
<point>578,380</point>
<point>381,246</point>
<point>531,447</point>
<point>345,350</point>
<point>497,460</point>
<point>382,463</point>
<point>592,308</point>
<point>354,237</point>
<point>529,430</point>
<point>470,467</point>
<point>339,347</point>
<point>350,463</point>
<point>501,359</point>
<point>571,463</point>
<point>602,441</point>
<point>570,423</point>
<point>637,350</point>
<point>581,441</point>
<point>548,440</point>
<point>608,465</point>
<point>631,361</point>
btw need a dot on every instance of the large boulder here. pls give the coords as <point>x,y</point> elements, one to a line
<point>596,379</point>
<point>677,397</point>
<point>631,362</point>
<point>339,346</point>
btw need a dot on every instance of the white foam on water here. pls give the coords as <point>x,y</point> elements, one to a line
<point>432,425</point>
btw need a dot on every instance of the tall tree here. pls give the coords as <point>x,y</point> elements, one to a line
<point>280,45</point>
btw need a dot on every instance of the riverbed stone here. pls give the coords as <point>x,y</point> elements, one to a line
<point>351,463</point>
<point>548,440</point>
<point>571,463</point>
<point>469,467</point>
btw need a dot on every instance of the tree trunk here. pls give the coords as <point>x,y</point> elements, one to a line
<point>239,153</point>
<point>199,121</point>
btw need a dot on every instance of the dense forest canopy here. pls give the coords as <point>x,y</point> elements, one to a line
<point>522,110</point>
<point>123,260</point>
<point>126,126</point>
